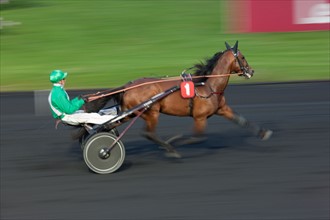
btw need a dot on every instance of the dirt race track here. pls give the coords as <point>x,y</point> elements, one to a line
<point>232,175</point>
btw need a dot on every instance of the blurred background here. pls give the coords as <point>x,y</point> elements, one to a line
<point>103,44</point>
<point>106,43</point>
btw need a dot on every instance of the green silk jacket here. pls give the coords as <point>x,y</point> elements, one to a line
<point>60,103</point>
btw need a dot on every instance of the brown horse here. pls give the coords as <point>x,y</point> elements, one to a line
<point>209,98</point>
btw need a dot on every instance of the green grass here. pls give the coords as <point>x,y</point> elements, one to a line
<point>105,43</point>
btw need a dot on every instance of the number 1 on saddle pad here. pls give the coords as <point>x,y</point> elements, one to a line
<point>187,89</point>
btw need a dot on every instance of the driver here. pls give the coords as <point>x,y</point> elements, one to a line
<point>68,110</point>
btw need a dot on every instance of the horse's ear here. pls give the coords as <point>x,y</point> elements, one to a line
<point>235,47</point>
<point>228,46</point>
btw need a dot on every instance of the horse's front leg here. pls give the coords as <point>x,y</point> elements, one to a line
<point>228,113</point>
<point>151,119</point>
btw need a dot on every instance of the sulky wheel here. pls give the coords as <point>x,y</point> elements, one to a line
<point>86,136</point>
<point>96,156</point>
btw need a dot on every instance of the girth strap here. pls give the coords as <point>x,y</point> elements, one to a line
<point>191,106</point>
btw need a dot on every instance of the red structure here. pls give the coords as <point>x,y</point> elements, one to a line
<point>278,15</point>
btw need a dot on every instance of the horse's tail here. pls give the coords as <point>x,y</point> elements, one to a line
<point>99,103</point>
<point>96,105</point>
<point>118,97</point>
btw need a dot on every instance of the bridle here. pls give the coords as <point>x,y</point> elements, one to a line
<point>245,70</point>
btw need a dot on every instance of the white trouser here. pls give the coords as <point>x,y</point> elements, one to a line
<point>86,118</point>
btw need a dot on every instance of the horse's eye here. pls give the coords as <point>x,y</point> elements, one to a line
<point>243,58</point>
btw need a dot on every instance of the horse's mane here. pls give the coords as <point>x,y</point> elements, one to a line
<point>205,68</point>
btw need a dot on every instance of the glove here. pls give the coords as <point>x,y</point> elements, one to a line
<point>84,98</point>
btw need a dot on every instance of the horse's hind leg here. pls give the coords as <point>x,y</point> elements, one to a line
<point>198,136</point>
<point>170,150</point>
<point>228,113</point>
<point>151,119</point>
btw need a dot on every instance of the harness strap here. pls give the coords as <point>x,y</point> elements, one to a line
<point>191,106</point>
<point>209,95</point>
<point>217,93</point>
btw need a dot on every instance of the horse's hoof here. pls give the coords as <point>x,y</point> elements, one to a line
<point>148,135</point>
<point>174,138</point>
<point>192,140</point>
<point>265,135</point>
<point>173,154</point>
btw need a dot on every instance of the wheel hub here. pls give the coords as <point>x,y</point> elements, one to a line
<point>104,154</point>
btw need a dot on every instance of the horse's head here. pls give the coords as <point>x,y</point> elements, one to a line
<point>240,65</point>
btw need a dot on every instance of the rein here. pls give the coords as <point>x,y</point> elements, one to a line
<point>97,95</point>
